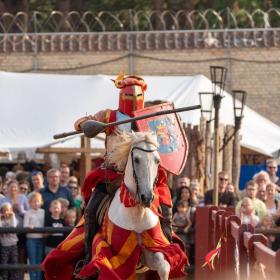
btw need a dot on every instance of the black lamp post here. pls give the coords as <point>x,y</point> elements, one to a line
<point>218,78</point>
<point>206,103</point>
<point>239,100</point>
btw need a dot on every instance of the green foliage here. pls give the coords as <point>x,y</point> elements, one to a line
<point>117,5</point>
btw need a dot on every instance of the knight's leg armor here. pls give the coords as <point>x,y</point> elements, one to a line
<point>166,221</point>
<point>91,221</point>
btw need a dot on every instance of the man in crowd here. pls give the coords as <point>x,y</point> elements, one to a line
<point>225,198</point>
<point>65,174</point>
<point>54,190</point>
<point>251,192</point>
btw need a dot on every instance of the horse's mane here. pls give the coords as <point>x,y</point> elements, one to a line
<point>119,155</point>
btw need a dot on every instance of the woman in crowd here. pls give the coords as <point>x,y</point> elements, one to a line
<point>20,205</point>
<point>272,203</point>
<point>184,194</point>
<point>24,187</point>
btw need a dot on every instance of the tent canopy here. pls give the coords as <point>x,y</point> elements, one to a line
<point>34,107</point>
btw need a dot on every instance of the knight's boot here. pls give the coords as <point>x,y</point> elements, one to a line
<point>166,221</point>
<point>91,221</point>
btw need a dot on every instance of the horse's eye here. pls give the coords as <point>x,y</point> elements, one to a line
<point>156,161</point>
<point>137,160</point>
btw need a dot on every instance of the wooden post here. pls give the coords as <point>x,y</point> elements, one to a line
<point>227,151</point>
<point>223,254</point>
<point>200,157</point>
<point>217,103</point>
<point>236,160</point>
<point>230,251</point>
<point>203,240</point>
<point>85,157</point>
<point>208,156</point>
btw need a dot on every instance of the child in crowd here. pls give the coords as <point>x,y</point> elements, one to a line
<point>70,218</point>
<point>55,220</point>
<point>9,249</point>
<point>64,206</point>
<point>267,222</point>
<point>181,219</point>
<point>34,217</point>
<point>247,212</point>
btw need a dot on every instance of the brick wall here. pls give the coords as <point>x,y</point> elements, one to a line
<point>256,70</point>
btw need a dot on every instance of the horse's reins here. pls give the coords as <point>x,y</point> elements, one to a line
<point>134,172</point>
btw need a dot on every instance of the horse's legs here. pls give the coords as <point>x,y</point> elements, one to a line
<point>91,222</point>
<point>156,261</point>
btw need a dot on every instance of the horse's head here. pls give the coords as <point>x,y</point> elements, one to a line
<point>142,167</point>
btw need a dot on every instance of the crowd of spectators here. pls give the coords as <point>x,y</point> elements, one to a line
<point>257,205</point>
<point>53,199</point>
<point>36,200</point>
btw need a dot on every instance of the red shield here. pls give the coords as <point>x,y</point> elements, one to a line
<point>173,144</point>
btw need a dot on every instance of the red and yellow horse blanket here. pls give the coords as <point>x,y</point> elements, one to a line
<point>117,252</point>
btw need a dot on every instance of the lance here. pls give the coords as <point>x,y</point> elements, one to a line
<point>91,128</point>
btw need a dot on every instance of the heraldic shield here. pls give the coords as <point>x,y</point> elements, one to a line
<point>171,137</point>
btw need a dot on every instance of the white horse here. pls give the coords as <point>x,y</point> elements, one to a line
<point>140,176</point>
<point>130,232</point>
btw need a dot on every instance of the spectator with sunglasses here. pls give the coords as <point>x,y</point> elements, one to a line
<point>272,168</point>
<point>225,198</point>
<point>24,187</point>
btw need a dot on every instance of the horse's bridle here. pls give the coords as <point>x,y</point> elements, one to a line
<point>134,173</point>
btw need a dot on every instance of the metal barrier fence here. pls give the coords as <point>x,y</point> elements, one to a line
<point>136,41</point>
<point>137,20</point>
<point>29,267</point>
<point>217,222</point>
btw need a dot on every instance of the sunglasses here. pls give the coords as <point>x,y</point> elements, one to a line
<point>272,167</point>
<point>23,189</point>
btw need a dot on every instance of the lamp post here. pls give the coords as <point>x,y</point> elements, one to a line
<point>206,103</point>
<point>239,100</point>
<point>218,77</point>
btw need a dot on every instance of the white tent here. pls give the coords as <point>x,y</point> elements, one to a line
<point>34,107</point>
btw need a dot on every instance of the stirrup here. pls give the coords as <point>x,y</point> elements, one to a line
<point>78,267</point>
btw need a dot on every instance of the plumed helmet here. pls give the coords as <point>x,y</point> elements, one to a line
<point>132,90</point>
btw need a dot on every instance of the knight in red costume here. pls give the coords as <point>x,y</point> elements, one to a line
<point>103,181</point>
<point>131,98</point>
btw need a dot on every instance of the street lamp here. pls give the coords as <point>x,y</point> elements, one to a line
<point>206,103</point>
<point>239,100</point>
<point>218,78</point>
